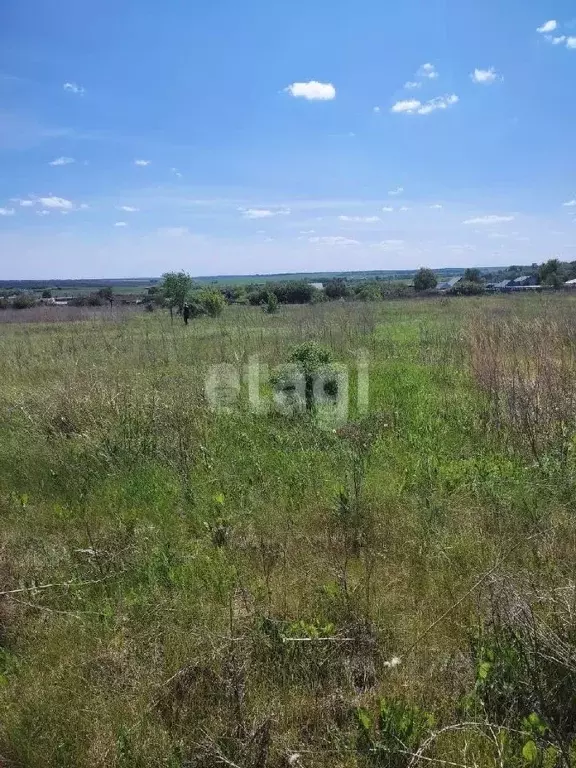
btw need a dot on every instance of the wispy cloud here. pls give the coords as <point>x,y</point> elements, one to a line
<point>62,161</point>
<point>312,90</point>
<point>332,240</point>
<point>7,211</point>
<point>548,26</point>
<point>263,213</point>
<point>436,207</point>
<point>395,192</point>
<point>390,245</point>
<point>411,84</point>
<point>121,224</point>
<point>387,209</point>
<point>485,76</point>
<point>415,107</point>
<point>571,42</point>
<point>377,109</point>
<point>360,219</point>
<point>59,203</point>
<point>176,172</point>
<point>127,208</point>
<point>142,163</point>
<point>173,231</point>
<point>74,88</point>
<point>569,204</point>
<point>490,219</point>
<point>427,70</point>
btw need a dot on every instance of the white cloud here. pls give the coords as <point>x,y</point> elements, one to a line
<point>548,26</point>
<point>173,231</point>
<point>397,191</point>
<point>307,232</point>
<point>74,88</point>
<point>377,109</point>
<point>313,91</point>
<point>403,208</point>
<point>427,70</point>
<point>43,213</point>
<point>263,213</point>
<point>571,42</point>
<point>83,207</point>
<point>436,207</point>
<point>485,76</point>
<point>142,162</point>
<point>490,219</point>
<point>23,203</point>
<point>176,173</point>
<point>120,224</point>
<point>390,245</point>
<point>557,40</point>
<point>333,240</point>
<point>415,107</point>
<point>407,105</point>
<point>440,102</point>
<point>411,84</point>
<point>7,211</point>
<point>127,208</point>
<point>570,204</point>
<point>62,161</point>
<point>56,202</point>
<point>387,209</point>
<point>360,219</point>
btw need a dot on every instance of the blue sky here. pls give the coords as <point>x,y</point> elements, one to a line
<point>276,137</point>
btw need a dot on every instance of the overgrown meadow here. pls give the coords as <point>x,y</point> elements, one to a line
<point>186,587</point>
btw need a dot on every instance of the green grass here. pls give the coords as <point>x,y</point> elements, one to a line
<point>203,554</point>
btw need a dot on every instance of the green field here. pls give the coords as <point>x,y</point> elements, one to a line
<point>187,587</point>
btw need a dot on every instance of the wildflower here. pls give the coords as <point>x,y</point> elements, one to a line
<point>394,662</point>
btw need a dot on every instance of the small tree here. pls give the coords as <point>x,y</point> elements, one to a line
<point>337,288</point>
<point>175,288</point>
<point>271,305</point>
<point>425,280</point>
<point>107,294</point>
<point>472,275</point>
<point>46,294</point>
<point>212,302</point>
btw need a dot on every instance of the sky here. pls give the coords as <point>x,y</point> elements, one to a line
<point>262,137</point>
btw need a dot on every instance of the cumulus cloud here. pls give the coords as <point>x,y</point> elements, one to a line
<point>415,107</point>
<point>312,90</point>
<point>406,105</point>
<point>570,204</point>
<point>332,240</point>
<point>57,203</point>
<point>62,161</point>
<point>7,211</point>
<point>121,224</point>
<point>490,219</point>
<point>548,26</point>
<point>142,162</point>
<point>360,219</point>
<point>127,208</point>
<point>571,42</point>
<point>397,191</point>
<point>557,40</point>
<point>427,70</point>
<point>485,76</point>
<point>263,213</point>
<point>74,88</point>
